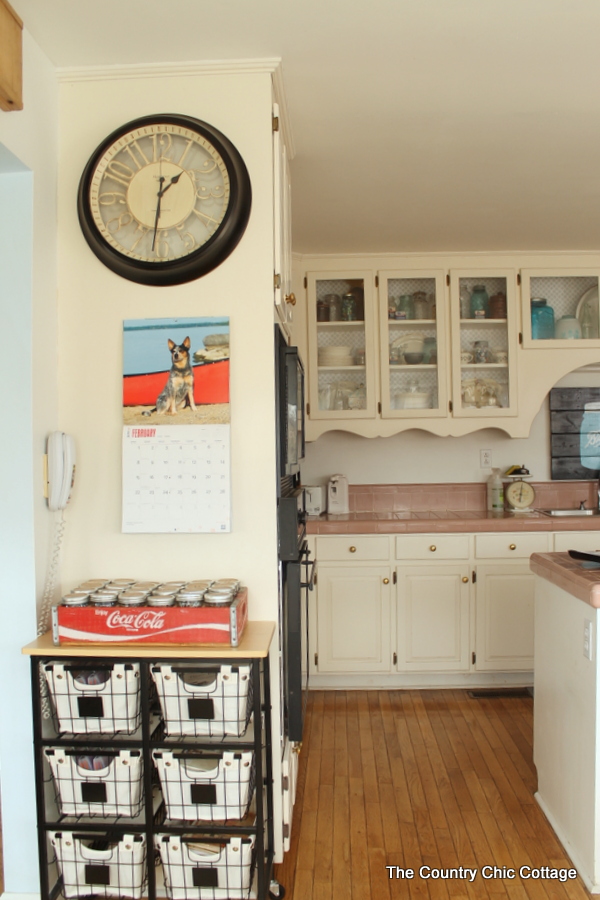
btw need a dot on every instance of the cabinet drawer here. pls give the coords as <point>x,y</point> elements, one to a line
<point>353,547</point>
<point>432,546</point>
<point>586,541</point>
<point>511,546</point>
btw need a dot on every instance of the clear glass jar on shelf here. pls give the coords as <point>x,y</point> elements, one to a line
<point>564,295</point>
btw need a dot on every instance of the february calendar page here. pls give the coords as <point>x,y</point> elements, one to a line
<point>176,479</point>
<point>176,425</point>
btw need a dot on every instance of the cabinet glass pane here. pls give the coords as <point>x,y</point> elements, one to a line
<point>412,343</point>
<point>570,310</point>
<point>484,345</point>
<point>340,315</point>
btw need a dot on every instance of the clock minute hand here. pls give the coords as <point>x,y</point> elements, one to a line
<point>173,180</point>
<point>157,216</point>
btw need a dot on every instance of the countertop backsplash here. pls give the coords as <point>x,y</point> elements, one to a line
<point>364,498</point>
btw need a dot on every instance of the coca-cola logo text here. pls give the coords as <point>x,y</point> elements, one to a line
<point>146,620</point>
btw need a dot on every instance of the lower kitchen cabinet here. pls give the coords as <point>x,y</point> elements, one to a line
<point>433,618</point>
<point>504,605</point>
<point>354,618</point>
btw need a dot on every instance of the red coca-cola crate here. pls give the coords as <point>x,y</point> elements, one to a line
<point>152,625</point>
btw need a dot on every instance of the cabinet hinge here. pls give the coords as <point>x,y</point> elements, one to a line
<point>520,337</point>
<point>286,831</point>
<point>379,407</point>
<point>377,281</point>
<point>474,576</point>
<point>395,659</point>
<point>450,405</point>
<point>315,578</point>
<point>518,278</point>
<point>316,659</point>
<point>395,577</point>
<point>308,409</point>
<point>448,280</point>
<point>285,783</point>
<point>473,657</point>
<point>305,281</point>
<point>276,280</point>
<point>275,123</point>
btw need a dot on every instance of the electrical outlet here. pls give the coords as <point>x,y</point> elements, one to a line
<point>587,638</point>
<point>485,459</point>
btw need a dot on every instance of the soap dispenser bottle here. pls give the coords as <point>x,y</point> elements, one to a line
<point>495,492</point>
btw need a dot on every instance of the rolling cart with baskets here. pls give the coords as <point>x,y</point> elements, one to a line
<point>153,770</point>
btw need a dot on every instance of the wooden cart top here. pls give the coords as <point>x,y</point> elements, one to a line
<point>255,643</point>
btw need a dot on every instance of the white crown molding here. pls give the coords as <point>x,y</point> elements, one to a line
<point>169,70</point>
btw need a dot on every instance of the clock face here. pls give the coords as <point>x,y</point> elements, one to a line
<point>520,495</point>
<point>164,199</point>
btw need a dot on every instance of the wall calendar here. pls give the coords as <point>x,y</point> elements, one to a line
<point>176,431</point>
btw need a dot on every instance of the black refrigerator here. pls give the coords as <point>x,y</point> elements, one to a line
<point>296,569</point>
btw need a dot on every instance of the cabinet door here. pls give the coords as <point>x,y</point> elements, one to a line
<point>341,347</point>
<point>433,618</point>
<point>353,619</point>
<point>484,343</point>
<point>504,617</point>
<point>569,318</point>
<point>413,333</point>
<point>282,227</point>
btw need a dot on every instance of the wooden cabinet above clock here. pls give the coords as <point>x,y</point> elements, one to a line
<point>11,58</point>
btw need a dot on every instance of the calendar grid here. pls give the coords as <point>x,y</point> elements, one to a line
<point>176,479</point>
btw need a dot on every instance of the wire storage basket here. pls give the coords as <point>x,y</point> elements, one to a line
<point>197,700</point>
<point>98,866</point>
<point>198,868</point>
<point>97,782</point>
<point>206,786</point>
<point>95,699</point>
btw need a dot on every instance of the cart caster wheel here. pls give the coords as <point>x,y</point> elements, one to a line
<point>276,891</point>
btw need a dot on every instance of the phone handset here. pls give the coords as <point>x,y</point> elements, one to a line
<point>60,469</point>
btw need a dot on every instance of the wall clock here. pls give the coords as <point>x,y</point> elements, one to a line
<point>164,199</point>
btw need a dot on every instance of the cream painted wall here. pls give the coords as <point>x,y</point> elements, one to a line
<point>92,305</point>
<point>28,169</point>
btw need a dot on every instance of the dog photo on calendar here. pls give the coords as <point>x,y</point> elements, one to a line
<point>176,371</point>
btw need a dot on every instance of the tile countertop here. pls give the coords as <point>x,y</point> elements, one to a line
<point>454,507</point>
<point>448,521</point>
<point>569,574</point>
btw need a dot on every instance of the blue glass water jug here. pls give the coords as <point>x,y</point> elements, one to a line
<point>542,320</point>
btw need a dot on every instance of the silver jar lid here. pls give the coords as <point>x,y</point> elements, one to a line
<point>97,600</point>
<point>132,598</point>
<point>94,583</point>
<point>164,600</point>
<point>75,599</point>
<point>201,585</point>
<point>121,583</point>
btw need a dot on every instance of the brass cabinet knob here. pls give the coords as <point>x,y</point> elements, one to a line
<point>386,580</point>
<point>465,579</point>
<point>352,549</point>
<point>512,547</point>
<point>433,548</point>
<point>291,299</point>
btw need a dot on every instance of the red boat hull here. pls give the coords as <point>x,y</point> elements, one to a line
<point>211,385</point>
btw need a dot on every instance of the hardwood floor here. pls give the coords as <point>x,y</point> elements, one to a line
<point>419,778</point>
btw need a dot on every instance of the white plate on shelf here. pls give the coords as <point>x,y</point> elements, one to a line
<point>590,300</point>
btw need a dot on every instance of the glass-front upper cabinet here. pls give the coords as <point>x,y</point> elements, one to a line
<point>484,342</point>
<point>412,312</point>
<point>559,307</point>
<point>341,345</point>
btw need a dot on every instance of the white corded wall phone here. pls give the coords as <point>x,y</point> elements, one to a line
<point>60,469</point>
<point>59,477</point>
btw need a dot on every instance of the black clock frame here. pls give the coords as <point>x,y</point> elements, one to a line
<point>201,261</point>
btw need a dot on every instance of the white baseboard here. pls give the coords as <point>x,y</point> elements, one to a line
<point>418,681</point>
<point>569,849</point>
